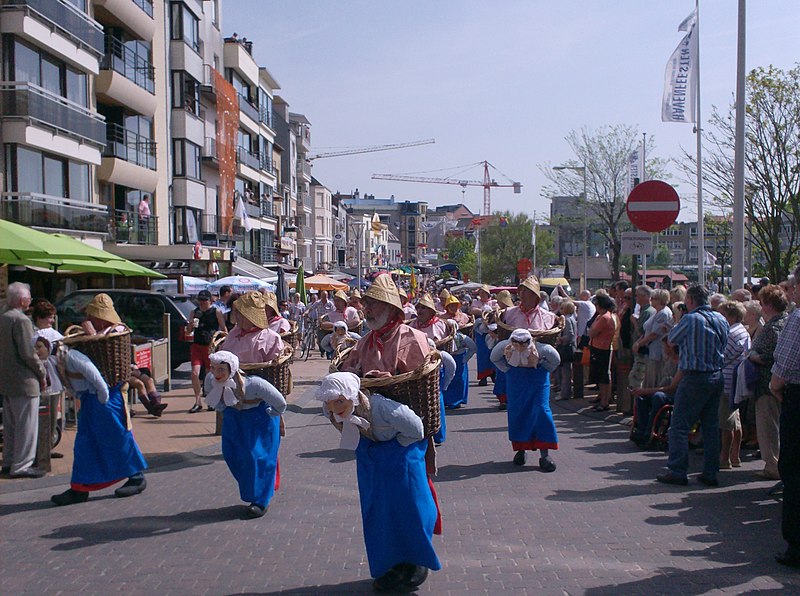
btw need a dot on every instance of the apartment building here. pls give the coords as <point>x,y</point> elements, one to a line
<point>323,231</point>
<point>301,128</point>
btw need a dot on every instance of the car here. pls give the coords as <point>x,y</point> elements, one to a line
<point>142,311</point>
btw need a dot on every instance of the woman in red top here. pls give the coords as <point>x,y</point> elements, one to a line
<point>601,337</point>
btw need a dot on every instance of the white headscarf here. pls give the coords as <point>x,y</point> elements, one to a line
<point>218,393</point>
<point>525,357</point>
<point>346,385</point>
<point>340,324</point>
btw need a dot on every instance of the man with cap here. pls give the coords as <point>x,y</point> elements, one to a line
<point>251,338</point>
<point>482,300</point>
<point>529,315</point>
<point>428,321</point>
<point>479,305</point>
<point>105,450</point>
<point>408,309</point>
<point>504,301</point>
<point>206,320</point>
<point>452,310</point>
<point>277,323</point>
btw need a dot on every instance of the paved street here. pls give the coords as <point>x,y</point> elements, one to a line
<point>598,525</point>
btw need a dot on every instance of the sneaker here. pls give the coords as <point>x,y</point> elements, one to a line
<point>28,473</point>
<point>708,480</point>
<point>255,511</point>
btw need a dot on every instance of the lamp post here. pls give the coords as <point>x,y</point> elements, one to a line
<point>582,170</point>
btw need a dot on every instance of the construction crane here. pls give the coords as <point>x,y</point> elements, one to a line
<point>373,148</point>
<point>488,183</point>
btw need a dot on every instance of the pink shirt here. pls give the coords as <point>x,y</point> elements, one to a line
<point>480,305</point>
<point>403,350</point>
<point>434,330</point>
<point>280,325</point>
<point>261,345</point>
<point>349,316</point>
<point>460,318</point>
<point>536,318</point>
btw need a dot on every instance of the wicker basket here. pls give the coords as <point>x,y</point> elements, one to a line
<point>418,389</point>
<point>546,336</point>
<point>289,337</point>
<point>468,328</point>
<point>110,352</point>
<point>277,371</point>
<point>444,343</point>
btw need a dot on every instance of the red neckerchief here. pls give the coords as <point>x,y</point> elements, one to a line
<point>433,320</point>
<point>528,313</point>
<point>376,337</point>
<point>275,318</point>
<point>242,332</point>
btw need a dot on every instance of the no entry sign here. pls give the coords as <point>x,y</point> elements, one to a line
<point>653,206</point>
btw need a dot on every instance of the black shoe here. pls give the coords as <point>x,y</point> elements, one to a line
<point>209,408</point>
<point>132,487</point>
<point>55,455</point>
<point>669,478</point>
<point>416,576</point>
<point>391,580</point>
<point>546,464</point>
<point>502,407</point>
<point>70,497</point>
<point>519,458</point>
<point>483,382</point>
<point>195,409</point>
<point>255,511</point>
<point>29,473</point>
<point>788,559</point>
<point>707,480</point>
<point>5,470</point>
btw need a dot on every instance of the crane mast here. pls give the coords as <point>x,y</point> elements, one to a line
<point>371,149</point>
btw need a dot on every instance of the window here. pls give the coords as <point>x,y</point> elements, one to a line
<point>185,26</point>
<point>185,92</point>
<point>30,171</point>
<point>37,67</point>
<point>76,87</point>
<point>187,159</point>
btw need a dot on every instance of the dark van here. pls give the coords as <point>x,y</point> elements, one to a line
<point>140,310</point>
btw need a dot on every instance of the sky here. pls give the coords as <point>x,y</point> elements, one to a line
<point>503,81</point>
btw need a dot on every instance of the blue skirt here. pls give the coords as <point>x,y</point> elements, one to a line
<point>250,441</point>
<point>105,450</point>
<point>485,367</point>
<point>530,421</point>
<point>397,507</point>
<point>500,386</point>
<point>441,435</point>
<point>458,391</point>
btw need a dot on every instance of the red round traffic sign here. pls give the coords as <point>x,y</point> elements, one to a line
<point>653,206</point>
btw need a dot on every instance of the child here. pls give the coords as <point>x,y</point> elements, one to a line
<point>398,507</point>
<point>340,339</point>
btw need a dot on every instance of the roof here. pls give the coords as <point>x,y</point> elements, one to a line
<point>298,118</point>
<point>597,268</point>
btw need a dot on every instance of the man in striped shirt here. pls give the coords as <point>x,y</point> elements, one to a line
<point>785,385</point>
<point>702,335</point>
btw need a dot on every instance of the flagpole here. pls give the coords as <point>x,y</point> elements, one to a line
<point>737,269</point>
<point>701,236</point>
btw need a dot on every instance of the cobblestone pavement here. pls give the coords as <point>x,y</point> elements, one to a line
<point>598,525</point>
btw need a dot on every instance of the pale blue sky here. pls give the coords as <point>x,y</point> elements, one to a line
<point>498,80</point>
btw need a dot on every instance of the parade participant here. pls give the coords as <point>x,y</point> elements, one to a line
<point>480,305</point>
<point>456,394</point>
<point>528,365</point>
<point>105,451</point>
<point>529,315</point>
<point>504,301</point>
<point>483,299</point>
<point>408,309</point>
<point>277,323</point>
<point>452,308</point>
<point>341,312</point>
<point>428,321</point>
<point>339,340</point>
<point>251,409</point>
<point>398,506</point>
<point>206,320</point>
<point>251,339</point>
<point>441,299</point>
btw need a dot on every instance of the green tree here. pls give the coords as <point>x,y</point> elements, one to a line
<point>661,256</point>
<point>772,165</point>
<point>602,161</point>
<point>545,249</point>
<point>503,245</point>
<point>461,252</point>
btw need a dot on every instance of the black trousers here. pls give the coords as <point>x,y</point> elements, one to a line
<point>789,467</point>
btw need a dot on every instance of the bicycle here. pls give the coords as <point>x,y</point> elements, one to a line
<point>309,339</point>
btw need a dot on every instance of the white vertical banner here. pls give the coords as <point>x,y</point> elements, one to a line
<point>635,168</point>
<point>241,213</point>
<point>679,78</point>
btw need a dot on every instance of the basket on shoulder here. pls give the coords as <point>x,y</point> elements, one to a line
<point>109,352</point>
<point>468,328</point>
<point>278,371</point>
<point>546,336</point>
<point>418,389</point>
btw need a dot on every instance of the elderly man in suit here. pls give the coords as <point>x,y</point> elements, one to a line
<point>22,379</point>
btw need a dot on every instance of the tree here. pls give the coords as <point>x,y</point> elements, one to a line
<point>461,252</point>
<point>602,157</point>
<point>661,256</point>
<point>772,164</point>
<point>502,246</point>
<point>545,248</point>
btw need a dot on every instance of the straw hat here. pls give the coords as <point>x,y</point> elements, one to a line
<point>452,300</point>
<point>427,302</point>
<point>532,284</point>
<point>384,290</point>
<point>356,294</point>
<point>102,307</point>
<point>402,293</point>
<point>485,288</point>
<point>444,294</point>
<point>504,297</point>
<point>271,300</point>
<point>341,296</point>
<point>251,307</point>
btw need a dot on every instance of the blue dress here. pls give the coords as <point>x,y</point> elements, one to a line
<point>457,392</point>
<point>530,420</point>
<point>500,386</point>
<point>250,442</point>
<point>440,436</point>
<point>105,450</point>
<point>397,507</point>
<point>485,368</point>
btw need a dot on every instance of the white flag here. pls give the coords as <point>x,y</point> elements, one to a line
<point>241,213</point>
<point>709,259</point>
<point>680,77</point>
<point>478,242</point>
<point>634,168</point>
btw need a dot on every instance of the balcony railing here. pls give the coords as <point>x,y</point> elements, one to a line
<point>209,148</point>
<point>222,228</point>
<point>33,103</point>
<point>265,115</point>
<point>125,61</point>
<point>303,167</point>
<point>128,228</point>
<point>62,15</point>
<point>134,148</point>
<point>267,165</point>
<point>46,211</point>
<point>247,158</point>
<point>248,108</point>
<point>145,5</point>
<point>266,207</point>
<point>267,254</point>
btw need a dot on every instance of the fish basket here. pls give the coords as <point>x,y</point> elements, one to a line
<point>109,352</point>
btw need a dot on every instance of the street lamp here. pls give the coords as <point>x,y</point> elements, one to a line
<point>582,170</point>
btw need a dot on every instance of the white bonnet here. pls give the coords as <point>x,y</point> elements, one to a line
<point>521,335</point>
<point>339,383</point>
<point>340,325</point>
<point>228,358</point>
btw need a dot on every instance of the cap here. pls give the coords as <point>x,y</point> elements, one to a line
<point>204,295</point>
<point>251,306</point>
<point>102,307</point>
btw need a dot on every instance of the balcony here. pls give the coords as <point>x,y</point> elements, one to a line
<point>247,158</point>
<point>267,254</point>
<point>25,101</point>
<point>61,16</point>
<point>237,56</point>
<point>135,16</point>
<point>128,228</point>
<point>266,208</point>
<point>208,86</point>
<point>124,60</point>
<point>267,165</point>
<point>53,213</point>
<point>134,148</point>
<point>248,109</point>
<point>265,116</point>
<point>303,168</point>
<point>215,225</point>
<point>209,151</point>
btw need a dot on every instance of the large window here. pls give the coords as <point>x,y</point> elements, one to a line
<point>31,65</point>
<point>185,92</point>
<point>186,161</point>
<point>30,171</point>
<point>185,25</point>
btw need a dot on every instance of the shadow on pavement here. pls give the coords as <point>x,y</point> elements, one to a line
<point>453,472</point>
<point>336,456</point>
<point>356,587</point>
<point>132,528</point>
